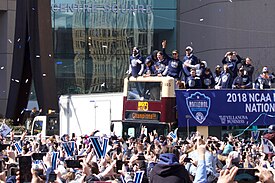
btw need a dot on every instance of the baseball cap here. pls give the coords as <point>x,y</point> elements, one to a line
<point>271,129</point>
<point>189,48</point>
<point>265,69</point>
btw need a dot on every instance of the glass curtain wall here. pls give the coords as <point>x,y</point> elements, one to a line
<point>93,40</point>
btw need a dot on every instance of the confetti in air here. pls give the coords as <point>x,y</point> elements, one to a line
<point>9,41</point>
<point>18,39</point>
<point>2,67</point>
<point>44,75</point>
<point>201,19</point>
<point>37,56</point>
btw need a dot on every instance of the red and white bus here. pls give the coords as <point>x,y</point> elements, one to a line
<point>148,101</point>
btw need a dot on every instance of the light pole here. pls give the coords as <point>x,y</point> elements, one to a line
<point>188,117</point>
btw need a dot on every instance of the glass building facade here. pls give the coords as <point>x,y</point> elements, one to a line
<point>93,40</point>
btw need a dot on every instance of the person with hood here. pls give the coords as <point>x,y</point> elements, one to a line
<point>190,61</point>
<point>168,169</point>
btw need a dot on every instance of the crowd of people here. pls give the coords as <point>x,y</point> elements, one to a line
<point>192,73</point>
<point>148,158</point>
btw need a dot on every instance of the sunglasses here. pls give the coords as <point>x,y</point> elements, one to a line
<point>174,53</point>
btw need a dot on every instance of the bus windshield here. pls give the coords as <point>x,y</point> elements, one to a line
<point>144,91</point>
<point>37,127</point>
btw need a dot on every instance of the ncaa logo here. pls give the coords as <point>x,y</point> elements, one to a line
<point>198,105</point>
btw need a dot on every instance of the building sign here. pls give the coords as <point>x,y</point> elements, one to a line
<point>107,8</point>
<point>134,115</point>
<point>225,107</point>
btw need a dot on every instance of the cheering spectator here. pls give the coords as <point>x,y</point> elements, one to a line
<point>190,61</point>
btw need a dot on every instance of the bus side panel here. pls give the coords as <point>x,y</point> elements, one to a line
<point>168,109</point>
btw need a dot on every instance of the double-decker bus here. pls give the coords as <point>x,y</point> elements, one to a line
<point>150,102</point>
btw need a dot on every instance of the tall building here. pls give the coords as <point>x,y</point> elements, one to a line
<point>7,24</point>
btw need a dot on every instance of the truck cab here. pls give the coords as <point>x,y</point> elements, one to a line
<point>47,125</point>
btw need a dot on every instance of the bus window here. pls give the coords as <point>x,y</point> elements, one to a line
<point>52,126</point>
<point>144,91</point>
<point>131,132</point>
<point>37,127</point>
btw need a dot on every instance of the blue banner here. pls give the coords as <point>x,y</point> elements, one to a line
<point>225,107</point>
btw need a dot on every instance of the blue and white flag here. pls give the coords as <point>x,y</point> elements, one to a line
<point>137,178</point>
<point>268,146</point>
<point>55,156</point>
<point>69,148</point>
<point>255,135</point>
<point>173,134</point>
<point>100,148</point>
<point>18,147</point>
<point>4,130</point>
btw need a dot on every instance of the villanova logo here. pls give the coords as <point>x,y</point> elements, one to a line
<point>198,105</point>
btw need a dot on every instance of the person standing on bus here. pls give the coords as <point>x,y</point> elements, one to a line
<point>264,80</point>
<point>207,79</point>
<point>136,68</point>
<point>242,81</point>
<point>149,69</point>
<point>218,77</point>
<point>226,76</point>
<point>193,81</point>
<point>189,61</point>
<point>232,62</point>
<point>174,64</point>
<point>161,65</point>
<point>248,67</point>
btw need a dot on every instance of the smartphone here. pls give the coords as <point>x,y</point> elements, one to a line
<point>119,164</point>
<point>187,160</point>
<point>38,156</point>
<point>25,165</point>
<point>247,174</point>
<point>73,163</point>
<point>52,177</point>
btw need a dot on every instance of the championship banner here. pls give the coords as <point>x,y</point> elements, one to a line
<point>100,148</point>
<point>225,107</point>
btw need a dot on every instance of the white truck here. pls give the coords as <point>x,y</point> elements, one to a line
<point>81,114</point>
